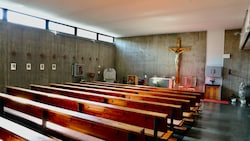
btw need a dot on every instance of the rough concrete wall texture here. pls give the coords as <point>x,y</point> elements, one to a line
<point>3,49</point>
<point>22,45</point>
<point>150,55</point>
<point>238,65</point>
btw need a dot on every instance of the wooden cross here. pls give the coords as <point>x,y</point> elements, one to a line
<point>178,51</point>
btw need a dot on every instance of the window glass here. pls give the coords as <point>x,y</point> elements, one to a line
<point>1,14</point>
<point>105,38</point>
<point>25,20</point>
<point>86,34</point>
<point>61,28</point>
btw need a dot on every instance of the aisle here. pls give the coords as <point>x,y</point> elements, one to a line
<point>221,122</point>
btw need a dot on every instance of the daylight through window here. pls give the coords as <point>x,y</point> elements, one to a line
<point>61,28</point>
<point>25,20</point>
<point>1,14</point>
<point>54,26</point>
<point>86,34</point>
<point>105,38</point>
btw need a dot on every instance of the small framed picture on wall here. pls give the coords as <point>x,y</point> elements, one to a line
<point>53,67</point>
<point>41,67</point>
<point>13,66</point>
<point>28,66</point>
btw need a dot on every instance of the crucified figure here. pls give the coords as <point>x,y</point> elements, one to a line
<point>177,59</point>
<point>178,52</point>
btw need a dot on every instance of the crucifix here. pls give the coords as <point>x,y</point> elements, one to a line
<point>178,51</point>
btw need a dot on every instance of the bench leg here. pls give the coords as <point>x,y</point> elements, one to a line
<point>105,100</point>
<point>172,119</point>
<point>80,108</point>
<point>156,125</point>
<point>45,118</point>
<point>130,137</point>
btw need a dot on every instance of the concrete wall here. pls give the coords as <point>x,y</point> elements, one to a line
<point>21,45</point>
<point>239,64</point>
<point>215,47</point>
<point>132,55</point>
<point>150,55</point>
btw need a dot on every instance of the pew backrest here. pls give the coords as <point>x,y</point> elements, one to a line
<point>111,100</point>
<point>193,99</point>
<point>100,127</point>
<point>184,102</point>
<point>148,88</point>
<point>142,118</point>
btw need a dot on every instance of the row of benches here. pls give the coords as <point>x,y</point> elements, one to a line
<point>188,101</point>
<point>112,116</point>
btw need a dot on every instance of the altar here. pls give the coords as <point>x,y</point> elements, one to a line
<point>166,82</point>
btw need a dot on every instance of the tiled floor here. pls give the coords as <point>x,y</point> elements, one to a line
<point>219,122</point>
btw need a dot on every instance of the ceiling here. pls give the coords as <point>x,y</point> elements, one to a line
<point>123,18</point>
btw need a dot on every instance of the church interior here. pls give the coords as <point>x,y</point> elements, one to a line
<point>125,70</point>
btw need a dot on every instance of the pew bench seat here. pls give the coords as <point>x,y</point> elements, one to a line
<point>69,133</point>
<point>142,91</point>
<point>176,122</point>
<point>164,135</point>
<point>77,135</point>
<point>119,93</point>
<point>19,132</point>
<point>100,127</point>
<point>187,114</point>
<point>141,118</point>
<point>194,109</point>
<point>99,98</point>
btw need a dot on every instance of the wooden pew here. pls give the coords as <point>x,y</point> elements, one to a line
<point>174,112</point>
<point>11,131</point>
<point>116,86</point>
<point>188,112</point>
<point>55,131</point>
<point>193,99</point>
<point>96,126</point>
<point>183,99</point>
<point>147,119</point>
<point>199,94</point>
<point>185,103</point>
<point>147,105</point>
